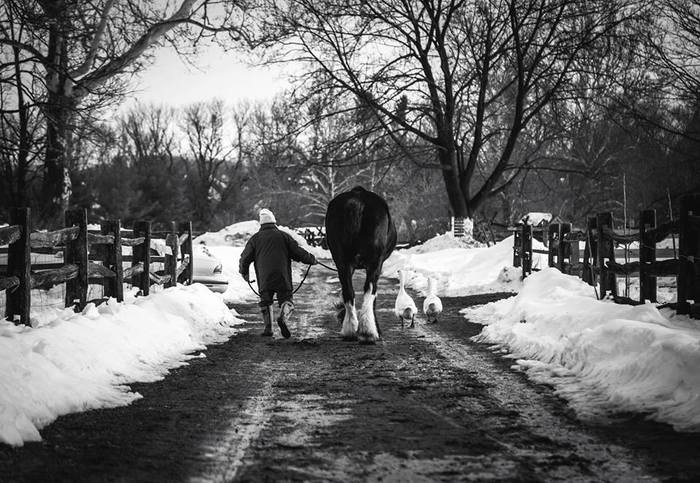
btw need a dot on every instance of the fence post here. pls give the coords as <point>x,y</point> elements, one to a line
<point>575,256</point>
<point>590,253</point>
<point>688,251</point>
<point>526,251</point>
<point>606,249</point>
<point>647,255</point>
<point>186,277</point>
<point>552,235</point>
<point>172,241</point>
<point>564,248</point>
<point>114,287</point>
<point>142,253</point>
<point>19,265</point>
<point>517,247</point>
<point>76,252</point>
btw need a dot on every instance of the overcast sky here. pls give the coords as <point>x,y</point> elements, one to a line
<point>218,74</point>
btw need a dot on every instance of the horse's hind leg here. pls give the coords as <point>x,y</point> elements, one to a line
<point>350,322</point>
<point>368,331</point>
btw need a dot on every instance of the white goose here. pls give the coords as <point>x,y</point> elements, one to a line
<point>432,305</point>
<point>404,308</point>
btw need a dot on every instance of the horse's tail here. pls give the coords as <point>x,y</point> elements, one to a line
<point>353,218</point>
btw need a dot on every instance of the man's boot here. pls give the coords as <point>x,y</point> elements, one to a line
<point>267,320</point>
<point>286,311</point>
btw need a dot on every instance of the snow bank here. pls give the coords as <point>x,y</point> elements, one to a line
<point>459,269</point>
<point>235,235</point>
<point>443,242</point>
<point>238,234</point>
<point>227,245</point>
<point>602,357</point>
<point>74,362</point>
<point>536,218</point>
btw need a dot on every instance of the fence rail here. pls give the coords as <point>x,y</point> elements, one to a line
<point>89,257</point>
<point>598,264</point>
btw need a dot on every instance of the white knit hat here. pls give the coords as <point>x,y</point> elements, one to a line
<point>266,216</point>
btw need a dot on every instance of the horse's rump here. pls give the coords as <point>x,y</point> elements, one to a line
<point>359,234</point>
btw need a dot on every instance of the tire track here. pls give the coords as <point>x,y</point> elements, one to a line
<point>533,410</point>
<point>227,451</point>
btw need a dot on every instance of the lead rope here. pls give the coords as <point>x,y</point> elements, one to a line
<point>308,269</point>
<point>326,266</point>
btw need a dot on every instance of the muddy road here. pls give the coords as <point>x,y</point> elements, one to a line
<point>425,404</point>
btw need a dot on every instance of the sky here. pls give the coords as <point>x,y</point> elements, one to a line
<point>216,75</point>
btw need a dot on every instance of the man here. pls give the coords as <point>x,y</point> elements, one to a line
<point>272,250</point>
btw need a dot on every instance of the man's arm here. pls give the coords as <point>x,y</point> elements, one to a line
<point>297,253</point>
<point>247,257</point>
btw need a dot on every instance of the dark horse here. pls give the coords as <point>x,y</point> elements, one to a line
<point>360,234</point>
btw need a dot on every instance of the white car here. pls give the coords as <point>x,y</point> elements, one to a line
<point>208,270</point>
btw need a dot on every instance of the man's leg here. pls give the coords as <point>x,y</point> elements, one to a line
<point>286,310</point>
<point>266,310</point>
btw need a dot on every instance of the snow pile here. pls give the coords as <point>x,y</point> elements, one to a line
<point>460,271</point>
<point>238,234</point>
<point>235,235</point>
<point>602,357</point>
<point>443,242</point>
<point>74,362</point>
<point>536,218</point>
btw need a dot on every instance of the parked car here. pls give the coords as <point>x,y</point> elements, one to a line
<point>208,270</point>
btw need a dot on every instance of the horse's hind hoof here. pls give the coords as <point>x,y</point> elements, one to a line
<point>367,339</point>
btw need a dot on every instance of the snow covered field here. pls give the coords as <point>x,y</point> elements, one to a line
<point>603,358</point>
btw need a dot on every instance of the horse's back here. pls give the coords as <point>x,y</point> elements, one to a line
<point>359,221</point>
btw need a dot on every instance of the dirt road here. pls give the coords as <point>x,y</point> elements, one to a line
<point>425,404</point>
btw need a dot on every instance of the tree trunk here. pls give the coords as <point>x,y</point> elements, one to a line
<point>57,188</point>
<point>58,111</point>
<point>450,174</point>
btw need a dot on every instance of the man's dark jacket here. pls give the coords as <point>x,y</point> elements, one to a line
<point>272,251</point>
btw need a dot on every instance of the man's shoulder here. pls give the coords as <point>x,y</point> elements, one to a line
<point>270,234</point>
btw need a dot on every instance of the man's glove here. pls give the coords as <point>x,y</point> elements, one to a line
<point>246,277</point>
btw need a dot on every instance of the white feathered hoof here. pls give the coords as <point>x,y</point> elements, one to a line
<point>367,332</point>
<point>350,323</point>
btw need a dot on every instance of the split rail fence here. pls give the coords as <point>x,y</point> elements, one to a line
<point>89,257</point>
<point>598,264</point>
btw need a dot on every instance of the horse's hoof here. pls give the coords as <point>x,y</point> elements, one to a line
<point>368,339</point>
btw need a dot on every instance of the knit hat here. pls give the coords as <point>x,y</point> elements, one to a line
<point>266,216</point>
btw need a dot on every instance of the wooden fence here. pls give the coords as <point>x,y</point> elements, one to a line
<point>599,265</point>
<point>89,257</point>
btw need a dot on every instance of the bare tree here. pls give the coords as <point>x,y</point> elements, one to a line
<point>474,75</point>
<point>676,43</point>
<point>146,134</point>
<point>20,127</point>
<point>210,166</point>
<point>80,50</point>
